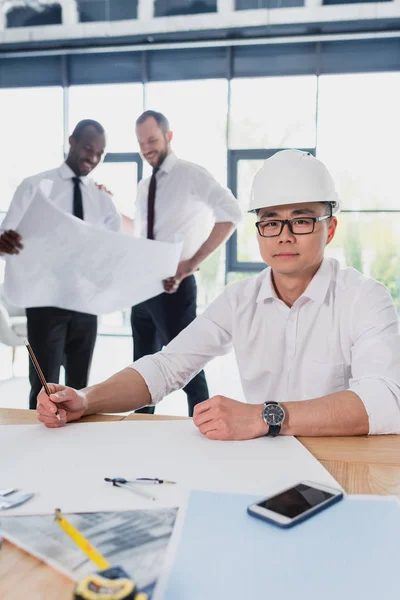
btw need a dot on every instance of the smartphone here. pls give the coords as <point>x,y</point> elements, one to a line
<point>295,504</point>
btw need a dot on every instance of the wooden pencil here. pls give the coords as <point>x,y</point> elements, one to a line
<point>40,373</point>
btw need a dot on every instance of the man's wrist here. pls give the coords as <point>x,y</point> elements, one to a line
<point>261,427</point>
<point>194,263</point>
<point>85,400</point>
<point>285,430</point>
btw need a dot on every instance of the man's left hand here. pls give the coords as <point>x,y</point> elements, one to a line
<point>221,418</point>
<point>103,188</point>
<point>185,268</point>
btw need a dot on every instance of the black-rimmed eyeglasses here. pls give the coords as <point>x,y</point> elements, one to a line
<point>297,225</point>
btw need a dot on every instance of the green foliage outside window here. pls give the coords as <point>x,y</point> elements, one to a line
<point>386,269</point>
<point>353,248</point>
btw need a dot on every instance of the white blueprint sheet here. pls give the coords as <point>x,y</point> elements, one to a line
<point>71,264</point>
<point>66,467</point>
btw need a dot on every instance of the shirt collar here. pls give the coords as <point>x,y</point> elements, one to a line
<point>319,285</point>
<point>316,289</point>
<point>267,289</point>
<point>169,162</point>
<point>67,173</point>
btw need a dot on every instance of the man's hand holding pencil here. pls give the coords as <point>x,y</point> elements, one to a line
<point>70,404</point>
<point>57,404</point>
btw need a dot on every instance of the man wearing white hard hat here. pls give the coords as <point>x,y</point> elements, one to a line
<point>317,346</point>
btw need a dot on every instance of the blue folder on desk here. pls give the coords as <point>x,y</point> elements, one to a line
<point>349,551</point>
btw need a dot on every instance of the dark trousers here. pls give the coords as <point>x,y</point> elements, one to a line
<point>60,337</point>
<point>157,321</point>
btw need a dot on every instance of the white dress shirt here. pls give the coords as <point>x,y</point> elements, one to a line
<point>98,207</point>
<point>341,334</point>
<point>187,198</point>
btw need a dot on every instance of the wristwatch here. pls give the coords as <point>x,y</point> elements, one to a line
<point>273,415</point>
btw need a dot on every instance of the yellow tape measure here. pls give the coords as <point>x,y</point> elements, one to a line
<point>111,583</point>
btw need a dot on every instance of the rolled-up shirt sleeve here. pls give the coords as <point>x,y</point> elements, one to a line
<point>220,199</point>
<point>209,335</point>
<point>375,360</point>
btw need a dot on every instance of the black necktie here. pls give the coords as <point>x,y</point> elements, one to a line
<point>151,198</point>
<point>78,205</point>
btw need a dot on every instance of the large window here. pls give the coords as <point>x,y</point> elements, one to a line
<point>247,246</point>
<point>355,130</point>
<point>32,13</point>
<point>121,179</point>
<point>358,129</point>
<point>31,125</point>
<point>358,132</point>
<point>170,8</point>
<point>266,113</point>
<point>197,112</point>
<point>116,107</point>
<point>273,112</point>
<point>107,10</point>
<point>249,4</point>
<point>329,2</point>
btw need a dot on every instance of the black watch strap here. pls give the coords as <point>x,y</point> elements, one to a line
<point>274,430</point>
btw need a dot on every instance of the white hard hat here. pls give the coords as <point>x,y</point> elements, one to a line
<point>291,177</point>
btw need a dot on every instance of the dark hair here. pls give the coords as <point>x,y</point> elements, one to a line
<point>328,206</point>
<point>160,119</point>
<point>82,125</point>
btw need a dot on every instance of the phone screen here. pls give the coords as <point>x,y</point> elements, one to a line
<point>295,501</point>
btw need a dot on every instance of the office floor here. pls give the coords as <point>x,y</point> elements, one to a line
<point>112,354</point>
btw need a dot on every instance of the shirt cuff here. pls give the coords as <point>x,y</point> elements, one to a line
<point>381,399</point>
<point>155,381</point>
<point>221,215</point>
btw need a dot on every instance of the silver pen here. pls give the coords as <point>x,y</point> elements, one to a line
<point>123,483</point>
<point>151,481</point>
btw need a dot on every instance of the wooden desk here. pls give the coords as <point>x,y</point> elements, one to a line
<point>363,465</point>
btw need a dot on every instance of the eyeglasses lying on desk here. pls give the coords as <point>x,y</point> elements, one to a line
<point>6,502</point>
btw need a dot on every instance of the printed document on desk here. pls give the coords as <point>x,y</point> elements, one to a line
<point>66,467</point>
<point>218,551</point>
<point>134,540</point>
<point>71,264</point>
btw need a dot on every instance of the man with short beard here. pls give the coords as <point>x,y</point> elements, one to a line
<point>176,203</point>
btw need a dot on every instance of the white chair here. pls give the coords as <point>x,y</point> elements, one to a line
<point>13,329</point>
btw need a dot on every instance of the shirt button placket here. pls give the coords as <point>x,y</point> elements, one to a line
<point>290,346</point>
<point>291,328</point>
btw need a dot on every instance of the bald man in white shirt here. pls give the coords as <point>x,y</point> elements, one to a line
<point>176,203</point>
<point>317,346</point>
<point>59,336</point>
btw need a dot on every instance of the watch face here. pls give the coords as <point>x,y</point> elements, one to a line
<point>274,414</point>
